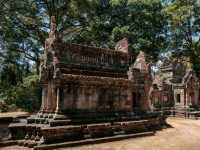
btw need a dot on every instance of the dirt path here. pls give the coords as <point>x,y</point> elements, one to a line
<point>183,135</point>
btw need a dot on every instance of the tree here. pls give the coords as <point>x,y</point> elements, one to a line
<point>21,31</point>
<point>184,28</point>
<point>143,22</point>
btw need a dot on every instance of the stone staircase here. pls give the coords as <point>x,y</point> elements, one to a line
<point>185,112</point>
<point>181,112</point>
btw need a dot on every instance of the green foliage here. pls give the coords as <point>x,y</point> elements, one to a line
<point>142,22</point>
<point>184,25</point>
<point>25,95</point>
<point>99,23</point>
<point>195,57</point>
<point>29,94</point>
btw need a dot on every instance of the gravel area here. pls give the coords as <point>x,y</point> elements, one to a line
<point>182,135</point>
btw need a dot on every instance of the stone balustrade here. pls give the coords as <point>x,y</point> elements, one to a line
<point>75,53</point>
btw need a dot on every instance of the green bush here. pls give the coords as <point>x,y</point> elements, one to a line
<point>3,107</point>
<point>25,95</point>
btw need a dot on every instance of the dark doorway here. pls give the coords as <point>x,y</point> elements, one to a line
<point>178,98</point>
<point>136,100</point>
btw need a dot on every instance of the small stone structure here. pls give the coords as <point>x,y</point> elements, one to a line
<point>176,86</point>
<point>89,92</point>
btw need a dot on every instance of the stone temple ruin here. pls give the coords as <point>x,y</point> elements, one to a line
<point>177,87</point>
<point>89,92</point>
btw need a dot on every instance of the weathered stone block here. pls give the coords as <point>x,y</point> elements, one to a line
<point>133,126</point>
<point>99,130</point>
<point>17,130</point>
<point>61,133</point>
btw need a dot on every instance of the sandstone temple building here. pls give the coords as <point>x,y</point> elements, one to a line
<point>77,78</point>
<point>175,85</point>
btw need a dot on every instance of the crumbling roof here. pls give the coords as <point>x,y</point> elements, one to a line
<point>122,45</point>
<point>140,62</point>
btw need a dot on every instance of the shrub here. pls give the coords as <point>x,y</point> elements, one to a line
<point>25,95</point>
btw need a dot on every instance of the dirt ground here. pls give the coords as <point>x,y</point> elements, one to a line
<point>183,135</point>
<point>13,114</point>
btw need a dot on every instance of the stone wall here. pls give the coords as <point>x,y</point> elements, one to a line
<point>86,93</point>
<point>91,97</point>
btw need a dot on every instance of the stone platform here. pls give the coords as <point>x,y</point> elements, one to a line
<point>40,131</point>
<point>180,112</point>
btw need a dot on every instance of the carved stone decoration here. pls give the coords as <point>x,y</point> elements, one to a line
<point>122,45</point>
<point>140,62</point>
<point>42,68</point>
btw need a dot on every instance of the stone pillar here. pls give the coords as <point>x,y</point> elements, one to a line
<point>49,98</point>
<point>190,97</point>
<point>186,101</point>
<point>42,107</point>
<point>43,100</point>
<point>53,98</point>
<point>58,110</point>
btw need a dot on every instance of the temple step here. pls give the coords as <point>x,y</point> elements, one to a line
<point>58,131</point>
<point>70,144</point>
<point>54,123</point>
<point>28,143</point>
<point>181,114</point>
<point>52,134</point>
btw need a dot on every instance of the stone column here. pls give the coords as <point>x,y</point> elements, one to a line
<point>42,108</point>
<point>49,98</point>
<point>53,98</point>
<point>190,97</point>
<point>43,100</point>
<point>58,110</point>
<point>186,99</point>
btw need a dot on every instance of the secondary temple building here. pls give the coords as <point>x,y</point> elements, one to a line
<point>176,85</point>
